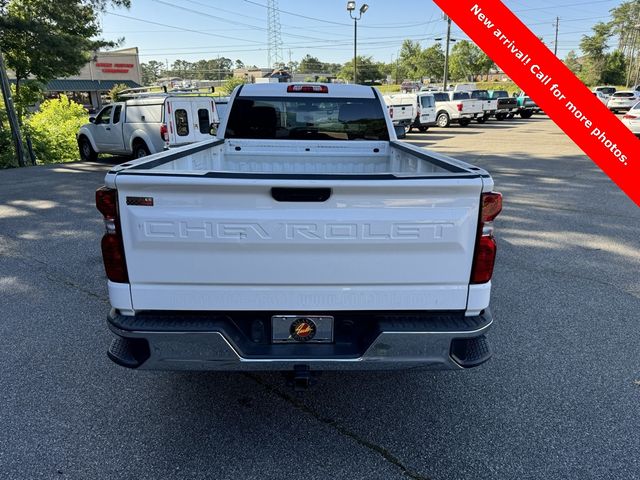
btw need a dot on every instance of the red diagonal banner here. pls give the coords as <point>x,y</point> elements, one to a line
<point>562,96</point>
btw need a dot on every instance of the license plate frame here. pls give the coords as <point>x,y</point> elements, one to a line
<point>302,329</point>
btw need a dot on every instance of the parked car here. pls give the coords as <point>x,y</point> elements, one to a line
<point>489,105</point>
<point>146,124</point>
<point>526,105</point>
<point>456,107</point>
<point>601,96</point>
<point>412,110</point>
<point>623,100</point>
<point>305,237</point>
<point>632,119</point>
<point>506,104</point>
<point>606,90</point>
<point>409,86</point>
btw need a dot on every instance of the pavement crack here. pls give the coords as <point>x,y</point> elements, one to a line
<point>341,429</point>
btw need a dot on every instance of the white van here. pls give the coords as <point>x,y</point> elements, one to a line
<point>412,110</point>
<point>147,124</point>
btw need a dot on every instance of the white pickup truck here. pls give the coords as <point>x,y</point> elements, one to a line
<point>412,110</point>
<point>306,237</point>
<point>456,107</point>
<point>149,124</point>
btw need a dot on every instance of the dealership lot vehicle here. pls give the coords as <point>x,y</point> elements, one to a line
<point>623,100</point>
<point>601,96</point>
<point>526,106</point>
<point>632,119</point>
<point>489,105</point>
<point>147,124</point>
<point>607,91</point>
<point>456,107</point>
<point>412,110</point>
<point>505,103</point>
<point>309,183</point>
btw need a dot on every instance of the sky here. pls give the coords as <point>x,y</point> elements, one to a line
<point>168,30</point>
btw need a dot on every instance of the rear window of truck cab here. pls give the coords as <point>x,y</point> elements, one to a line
<point>307,118</point>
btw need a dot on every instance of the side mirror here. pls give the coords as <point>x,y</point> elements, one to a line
<point>92,119</point>
<point>400,131</point>
<point>213,129</point>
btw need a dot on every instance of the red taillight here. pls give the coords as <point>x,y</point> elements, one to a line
<point>164,132</point>
<point>485,253</point>
<point>484,260</point>
<point>115,265</point>
<point>307,89</point>
<point>459,107</point>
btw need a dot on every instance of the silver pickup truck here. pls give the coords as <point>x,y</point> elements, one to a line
<point>304,237</point>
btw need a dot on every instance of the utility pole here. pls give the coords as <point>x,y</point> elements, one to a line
<point>11,113</point>
<point>555,44</point>
<point>446,55</point>
<point>351,6</point>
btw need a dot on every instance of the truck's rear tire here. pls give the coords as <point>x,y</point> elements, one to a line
<point>87,153</point>
<point>443,120</point>
<point>140,149</point>
<point>464,122</point>
<point>526,114</point>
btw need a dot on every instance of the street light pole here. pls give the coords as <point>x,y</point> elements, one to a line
<point>351,6</point>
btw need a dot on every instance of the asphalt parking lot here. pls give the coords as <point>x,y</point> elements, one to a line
<point>559,399</point>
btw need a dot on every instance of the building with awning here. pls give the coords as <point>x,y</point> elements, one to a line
<point>92,84</point>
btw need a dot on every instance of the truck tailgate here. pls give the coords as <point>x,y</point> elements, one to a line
<point>211,243</point>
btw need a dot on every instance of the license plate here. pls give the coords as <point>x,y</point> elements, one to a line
<point>302,329</point>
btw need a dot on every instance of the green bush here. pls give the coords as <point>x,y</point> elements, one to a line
<point>114,93</point>
<point>232,83</point>
<point>53,130</point>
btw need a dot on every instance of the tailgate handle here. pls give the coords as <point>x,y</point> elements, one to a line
<point>284,194</point>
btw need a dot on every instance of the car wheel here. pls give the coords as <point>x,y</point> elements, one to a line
<point>140,150</point>
<point>526,114</point>
<point>481,119</point>
<point>87,153</point>
<point>511,115</point>
<point>501,116</point>
<point>464,122</point>
<point>423,129</point>
<point>443,120</point>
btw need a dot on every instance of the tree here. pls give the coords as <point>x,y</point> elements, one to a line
<point>239,64</point>
<point>116,90</point>
<point>432,61</point>
<point>466,61</point>
<point>309,64</point>
<point>595,48</point>
<point>572,63</point>
<point>368,70</point>
<point>151,71</point>
<point>46,40</point>
<point>615,69</point>
<point>410,59</point>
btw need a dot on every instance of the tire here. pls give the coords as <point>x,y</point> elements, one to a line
<point>423,129</point>
<point>481,119</point>
<point>140,150</point>
<point>87,153</point>
<point>526,114</point>
<point>464,122</point>
<point>511,115</point>
<point>443,120</point>
<point>501,116</point>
